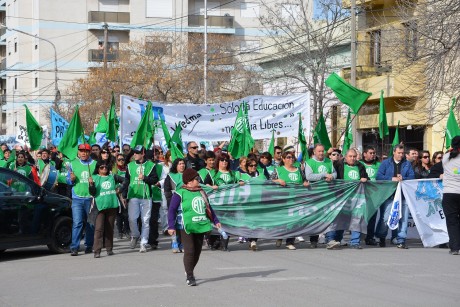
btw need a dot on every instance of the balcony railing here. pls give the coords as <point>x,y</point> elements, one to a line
<point>110,17</point>
<point>3,64</point>
<point>213,21</point>
<point>2,31</point>
<point>364,72</point>
<point>97,55</point>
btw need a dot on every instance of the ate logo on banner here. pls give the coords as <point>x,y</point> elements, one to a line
<point>225,177</point>
<point>106,185</point>
<point>353,175</point>
<point>198,205</point>
<point>293,176</point>
<point>431,193</point>
<point>84,176</point>
<point>370,172</point>
<point>240,124</point>
<point>322,169</point>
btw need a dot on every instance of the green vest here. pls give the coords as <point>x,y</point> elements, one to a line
<point>82,173</point>
<point>288,176</point>
<point>193,209</point>
<point>221,178</point>
<point>371,170</point>
<point>106,197</point>
<point>320,167</point>
<point>62,176</point>
<point>350,172</point>
<point>138,188</point>
<point>203,173</point>
<point>3,163</point>
<point>156,191</point>
<point>176,179</point>
<point>41,164</point>
<point>23,170</point>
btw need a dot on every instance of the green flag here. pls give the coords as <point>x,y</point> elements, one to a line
<point>34,130</point>
<point>302,140</point>
<point>100,128</point>
<point>241,141</point>
<point>69,142</point>
<point>347,94</point>
<point>395,141</point>
<point>144,131</point>
<point>348,139</point>
<point>452,129</point>
<point>320,135</point>
<point>383,126</point>
<point>271,148</point>
<point>112,128</point>
<point>177,138</point>
<point>12,158</point>
<point>175,152</point>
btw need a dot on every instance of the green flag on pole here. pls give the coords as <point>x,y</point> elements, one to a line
<point>34,130</point>
<point>320,135</point>
<point>383,125</point>
<point>69,142</point>
<point>347,94</point>
<point>112,128</point>
<point>177,138</point>
<point>144,131</point>
<point>101,127</point>
<point>452,129</point>
<point>241,141</point>
<point>395,141</point>
<point>348,138</point>
<point>271,148</point>
<point>302,140</point>
<point>175,152</point>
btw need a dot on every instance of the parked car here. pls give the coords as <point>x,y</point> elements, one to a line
<point>30,215</point>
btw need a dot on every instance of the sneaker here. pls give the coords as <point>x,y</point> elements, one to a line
<point>313,244</point>
<point>355,246</point>
<point>120,236</point>
<point>110,253</point>
<point>279,242</point>
<point>240,240</point>
<point>300,239</point>
<point>191,281</point>
<point>453,252</point>
<point>73,252</point>
<point>402,246</point>
<point>382,243</point>
<point>88,250</point>
<point>253,246</point>
<point>371,242</point>
<point>143,248</point>
<point>97,254</point>
<point>148,246</point>
<point>175,247</point>
<point>133,242</point>
<point>332,244</point>
<point>245,240</point>
<point>291,247</point>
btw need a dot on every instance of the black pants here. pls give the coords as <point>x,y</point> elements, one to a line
<point>451,207</point>
<point>192,249</point>
<point>371,227</point>
<point>154,216</point>
<point>103,230</point>
<point>123,221</point>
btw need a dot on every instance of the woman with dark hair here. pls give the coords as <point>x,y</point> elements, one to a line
<point>422,165</point>
<point>285,174</point>
<point>122,216</point>
<point>107,159</point>
<point>451,194</point>
<point>265,164</point>
<point>437,157</point>
<point>172,183</point>
<point>103,187</point>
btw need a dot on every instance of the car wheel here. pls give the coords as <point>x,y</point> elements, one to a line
<point>61,236</point>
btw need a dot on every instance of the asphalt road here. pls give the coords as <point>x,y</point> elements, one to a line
<point>269,277</point>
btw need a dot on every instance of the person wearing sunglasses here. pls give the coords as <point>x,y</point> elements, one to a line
<point>319,168</point>
<point>79,172</point>
<point>278,151</point>
<point>107,158</point>
<point>197,217</point>
<point>423,165</point>
<point>122,220</point>
<point>192,160</point>
<point>286,174</point>
<point>103,187</point>
<point>436,171</point>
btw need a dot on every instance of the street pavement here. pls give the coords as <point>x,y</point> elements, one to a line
<point>269,277</point>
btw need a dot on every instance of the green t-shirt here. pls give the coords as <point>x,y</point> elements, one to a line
<point>288,176</point>
<point>221,178</point>
<point>82,173</point>
<point>41,164</point>
<point>24,170</point>
<point>371,169</point>
<point>176,179</point>
<point>138,188</point>
<point>350,172</point>
<point>156,191</point>
<point>320,167</point>
<point>193,209</point>
<point>106,197</point>
<point>3,163</point>
<point>62,176</point>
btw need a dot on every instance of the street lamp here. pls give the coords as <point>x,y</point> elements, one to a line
<point>57,93</point>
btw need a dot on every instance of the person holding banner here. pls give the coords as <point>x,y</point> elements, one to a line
<point>396,169</point>
<point>348,169</point>
<point>80,171</point>
<point>285,174</point>
<point>209,158</point>
<point>319,168</point>
<point>139,178</point>
<point>451,194</point>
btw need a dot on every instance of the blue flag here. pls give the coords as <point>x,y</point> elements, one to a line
<point>58,126</point>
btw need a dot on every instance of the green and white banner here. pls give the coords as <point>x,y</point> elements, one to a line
<point>270,211</point>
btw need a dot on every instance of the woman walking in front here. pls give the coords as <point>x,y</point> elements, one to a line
<point>197,215</point>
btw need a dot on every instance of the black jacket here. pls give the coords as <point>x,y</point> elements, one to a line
<point>195,163</point>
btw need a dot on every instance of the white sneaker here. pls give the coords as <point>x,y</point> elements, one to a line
<point>143,248</point>
<point>332,244</point>
<point>253,246</point>
<point>300,239</point>
<point>291,247</point>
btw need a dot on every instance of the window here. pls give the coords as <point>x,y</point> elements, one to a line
<point>12,184</point>
<point>153,46</point>
<point>250,10</point>
<point>411,40</point>
<point>375,48</point>
<point>213,8</point>
<point>159,8</point>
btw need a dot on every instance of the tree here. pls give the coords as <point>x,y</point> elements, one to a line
<point>308,47</point>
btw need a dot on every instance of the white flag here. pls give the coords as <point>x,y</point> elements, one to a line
<point>395,212</point>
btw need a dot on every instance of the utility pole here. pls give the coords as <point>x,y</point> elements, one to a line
<point>353,66</point>
<point>205,64</point>
<point>106,43</point>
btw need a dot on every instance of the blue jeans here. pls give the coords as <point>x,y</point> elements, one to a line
<point>80,210</point>
<point>382,227</point>
<point>337,235</point>
<point>140,207</point>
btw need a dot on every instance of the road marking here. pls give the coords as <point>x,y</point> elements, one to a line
<point>134,287</point>
<point>289,278</point>
<point>245,268</point>
<point>103,276</point>
<point>384,264</point>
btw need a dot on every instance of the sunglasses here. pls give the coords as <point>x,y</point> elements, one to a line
<point>289,157</point>
<point>425,157</point>
<point>116,150</point>
<point>334,154</point>
<point>125,149</point>
<point>278,153</point>
<point>223,160</point>
<point>121,160</point>
<point>252,165</point>
<point>439,158</point>
<point>103,166</point>
<point>104,152</point>
<point>194,147</point>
